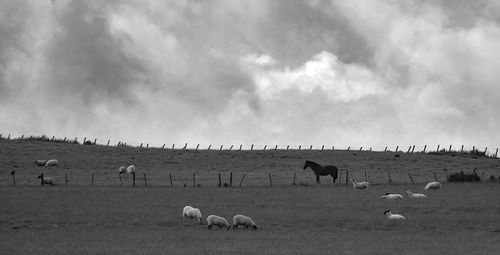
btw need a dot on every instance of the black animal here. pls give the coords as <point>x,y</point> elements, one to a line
<point>322,170</point>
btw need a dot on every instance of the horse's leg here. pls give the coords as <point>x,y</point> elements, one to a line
<point>317,179</point>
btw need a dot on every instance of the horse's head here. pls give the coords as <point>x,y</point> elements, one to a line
<point>306,165</point>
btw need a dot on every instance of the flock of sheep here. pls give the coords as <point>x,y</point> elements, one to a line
<point>389,215</point>
<point>221,222</point>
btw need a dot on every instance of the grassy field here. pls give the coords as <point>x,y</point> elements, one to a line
<point>107,218</point>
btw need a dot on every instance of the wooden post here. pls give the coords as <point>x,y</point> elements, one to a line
<point>140,146</point>
<point>340,176</point>
<point>0,136</point>
<point>185,146</point>
<point>425,147</point>
<point>240,146</point>
<point>147,145</point>
<point>300,146</point>
<point>220,182</point>
<point>231,179</point>
<point>385,149</point>
<point>310,148</point>
<point>270,179</point>
<point>145,181</point>
<point>348,148</point>
<point>473,148</point>
<point>485,150</point>
<point>230,148</point>
<point>84,139</point>
<point>173,146</point>
<point>361,148</point>
<point>322,147</point>
<point>449,148</point>
<point>241,182</point>
<point>366,177</point>
<point>346,177</point>
<point>496,153</point>
<point>437,150</point>
<point>53,137</point>
<point>370,148</point>
<point>388,175</point>
<point>209,146</point>
<point>92,182</point>
<point>288,146</point>
<point>294,174</point>
<point>333,148</point>
<point>106,144</point>
<point>462,149</point>
<point>22,137</point>
<point>435,177</point>
<point>66,179</point>
<point>163,147</point>
<point>275,148</point>
<point>251,148</point>
<point>171,183</point>
<point>409,148</point>
<point>194,180</point>
<point>197,146</point>
<point>397,147</point>
<point>265,146</point>
<point>13,173</point>
<point>95,141</point>
<point>221,147</point>
<point>411,178</point>
<point>413,149</point>
<point>133,179</point>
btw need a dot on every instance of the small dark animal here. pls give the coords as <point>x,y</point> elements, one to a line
<point>322,170</point>
<point>226,185</point>
<point>44,180</point>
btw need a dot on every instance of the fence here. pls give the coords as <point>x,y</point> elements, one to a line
<point>251,147</point>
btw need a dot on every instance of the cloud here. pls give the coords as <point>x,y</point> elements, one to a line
<point>380,73</point>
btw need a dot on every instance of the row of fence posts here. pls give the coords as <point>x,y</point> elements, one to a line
<point>230,184</point>
<point>410,149</point>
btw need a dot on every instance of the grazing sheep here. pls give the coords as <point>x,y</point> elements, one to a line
<point>415,195</point>
<point>122,170</point>
<point>391,216</point>
<point>392,196</point>
<point>184,211</point>
<point>45,180</point>
<point>131,169</point>
<point>432,185</point>
<point>359,185</point>
<point>52,162</point>
<point>243,220</point>
<point>219,221</point>
<point>194,213</point>
<point>40,162</point>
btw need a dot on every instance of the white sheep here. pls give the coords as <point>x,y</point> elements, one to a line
<point>131,169</point>
<point>432,185</point>
<point>184,211</point>
<point>217,220</point>
<point>243,220</point>
<point>52,162</point>
<point>392,196</point>
<point>415,195</point>
<point>392,217</point>
<point>40,162</point>
<point>45,180</point>
<point>194,213</point>
<point>359,185</point>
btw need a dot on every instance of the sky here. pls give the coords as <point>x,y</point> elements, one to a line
<point>370,73</point>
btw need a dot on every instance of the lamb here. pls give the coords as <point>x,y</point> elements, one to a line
<point>219,221</point>
<point>432,185</point>
<point>184,211</point>
<point>40,162</point>
<point>194,213</point>
<point>243,220</point>
<point>392,196</point>
<point>359,185</point>
<point>415,195</point>
<point>131,169</point>
<point>52,162</point>
<point>44,180</point>
<point>392,217</point>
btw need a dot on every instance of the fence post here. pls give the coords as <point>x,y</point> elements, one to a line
<point>194,180</point>
<point>361,148</point>
<point>449,150</point>
<point>133,179</point>
<point>106,144</point>
<point>173,146</point>
<point>411,178</point>
<point>185,146</point>
<point>437,150</point>
<point>163,147</point>
<point>322,147</point>
<point>53,137</point>
<point>66,179</point>
<point>140,146</point>
<point>496,153</point>
<point>265,146</point>
<point>251,148</point>
<point>310,148</point>
<point>388,175</point>
<point>409,148</point>
<point>294,174</point>
<point>346,177</point>
<point>241,182</point>
<point>462,149</point>
<point>13,173</point>
<point>171,183</point>
<point>270,179</point>
<point>145,181</point>
<point>231,179</point>
<point>485,150</point>
<point>385,150</point>
<point>241,145</point>
<point>147,145</point>
<point>340,177</point>
<point>300,146</point>
<point>435,177</point>
<point>275,148</point>
<point>230,148</point>
<point>197,146</point>
<point>92,182</point>
<point>366,177</point>
<point>425,147</point>
<point>95,141</point>
<point>221,147</point>
<point>220,182</point>
<point>84,140</point>
<point>288,146</point>
<point>397,147</point>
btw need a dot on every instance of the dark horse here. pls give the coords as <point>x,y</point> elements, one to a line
<point>322,170</point>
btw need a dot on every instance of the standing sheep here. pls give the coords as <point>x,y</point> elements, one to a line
<point>45,180</point>
<point>131,169</point>
<point>432,185</point>
<point>52,162</point>
<point>243,220</point>
<point>217,220</point>
<point>194,213</point>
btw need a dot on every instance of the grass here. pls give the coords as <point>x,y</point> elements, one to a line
<point>292,220</point>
